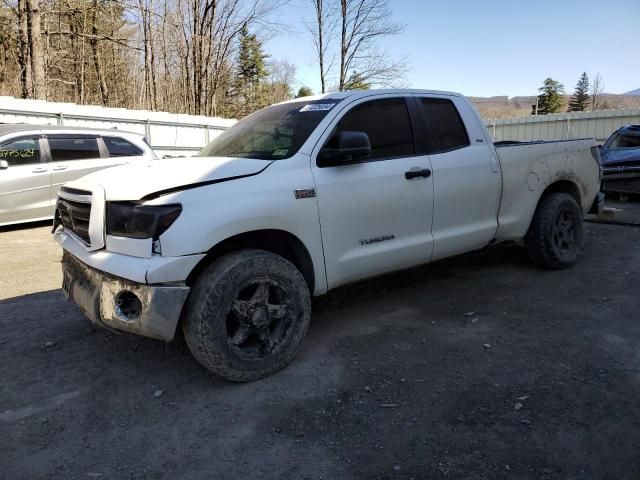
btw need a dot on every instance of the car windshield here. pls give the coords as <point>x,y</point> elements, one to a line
<point>623,141</point>
<point>273,133</point>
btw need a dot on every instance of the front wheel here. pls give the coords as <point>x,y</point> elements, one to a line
<point>555,236</point>
<point>247,315</point>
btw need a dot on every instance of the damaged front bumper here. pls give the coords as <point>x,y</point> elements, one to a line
<point>119,304</point>
<point>622,180</point>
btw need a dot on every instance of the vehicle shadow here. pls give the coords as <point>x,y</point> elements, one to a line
<point>453,270</point>
<point>25,226</point>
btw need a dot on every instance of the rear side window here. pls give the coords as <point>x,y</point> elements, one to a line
<point>73,148</point>
<point>446,131</point>
<point>23,151</point>
<point>387,124</point>
<point>119,147</point>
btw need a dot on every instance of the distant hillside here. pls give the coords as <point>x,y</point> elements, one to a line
<point>505,107</point>
<point>634,92</point>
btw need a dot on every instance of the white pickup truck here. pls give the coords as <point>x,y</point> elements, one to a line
<point>302,197</point>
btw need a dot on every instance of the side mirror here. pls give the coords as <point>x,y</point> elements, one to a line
<point>346,147</point>
<point>4,164</point>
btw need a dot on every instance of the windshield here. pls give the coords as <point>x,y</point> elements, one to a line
<point>623,141</point>
<point>272,133</point>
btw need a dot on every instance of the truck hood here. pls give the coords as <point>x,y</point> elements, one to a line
<point>158,177</point>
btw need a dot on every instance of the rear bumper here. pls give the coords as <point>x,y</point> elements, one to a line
<point>110,301</point>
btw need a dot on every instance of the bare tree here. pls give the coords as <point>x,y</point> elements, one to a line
<point>363,22</point>
<point>93,41</point>
<point>321,31</point>
<point>280,79</point>
<point>146,12</point>
<point>24,60</point>
<point>176,55</point>
<point>35,49</point>
<point>208,32</point>
<point>597,87</point>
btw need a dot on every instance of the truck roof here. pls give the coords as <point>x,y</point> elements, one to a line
<point>365,93</point>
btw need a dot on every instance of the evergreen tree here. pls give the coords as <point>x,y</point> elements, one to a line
<point>580,99</point>
<point>304,92</point>
<point>550,99</point>
<point>251,70</point>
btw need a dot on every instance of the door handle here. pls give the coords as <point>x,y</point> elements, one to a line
<point>40,170</point>
<point>59,167</point>
<point>424,172</point>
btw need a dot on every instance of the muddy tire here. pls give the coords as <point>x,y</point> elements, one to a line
<point>555,236</point>
<point>246,315</point>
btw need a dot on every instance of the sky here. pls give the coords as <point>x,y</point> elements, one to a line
<point>492,47</point>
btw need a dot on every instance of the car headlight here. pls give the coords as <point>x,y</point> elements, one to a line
<point>126,219</point>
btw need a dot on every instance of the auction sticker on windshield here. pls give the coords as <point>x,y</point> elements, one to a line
<point>317,107</point>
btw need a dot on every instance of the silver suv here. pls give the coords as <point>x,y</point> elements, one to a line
<point>35,160</point>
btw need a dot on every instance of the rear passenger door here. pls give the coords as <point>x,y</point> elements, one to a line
<point>72,156</point>
<point>466,176</point>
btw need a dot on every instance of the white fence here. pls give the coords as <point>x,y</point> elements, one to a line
<point>559,126</point>
<point>178,134</point>
<point>168,133</point>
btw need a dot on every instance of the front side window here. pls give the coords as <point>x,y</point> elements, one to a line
<point>446,131</point>
<point>23,151</point>
<point>387,124</point>
<point>64,148</point>
<point>119,147</point>
<point>273,133</point>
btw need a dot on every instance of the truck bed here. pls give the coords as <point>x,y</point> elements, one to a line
<point>528,168</point>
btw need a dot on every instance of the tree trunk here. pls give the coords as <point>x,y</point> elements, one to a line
<point>24,61</point>
<point>165,60</point>
<point>104,90</point>
<point>152,59</point>
<point>319,4</point>
<point>75,52</point>
<point>35,47</point>
<point>343,45</point>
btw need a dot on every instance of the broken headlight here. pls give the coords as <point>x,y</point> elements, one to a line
<point>126,219</point>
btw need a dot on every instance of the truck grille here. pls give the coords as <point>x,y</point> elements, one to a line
<point>75,214</point>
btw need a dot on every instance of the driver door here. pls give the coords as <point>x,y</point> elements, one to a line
<point>375,214</point>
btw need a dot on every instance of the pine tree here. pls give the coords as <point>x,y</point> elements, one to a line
<point>580,99</point>
<point>251,71</point>
<point>304,92</point>
<point>550,100</point>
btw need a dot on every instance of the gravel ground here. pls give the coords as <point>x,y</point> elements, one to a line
<point>479,367</point>
<point>29,260</point>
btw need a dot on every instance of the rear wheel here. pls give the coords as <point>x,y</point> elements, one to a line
<point>247,315</point>
<point>555,236</point>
